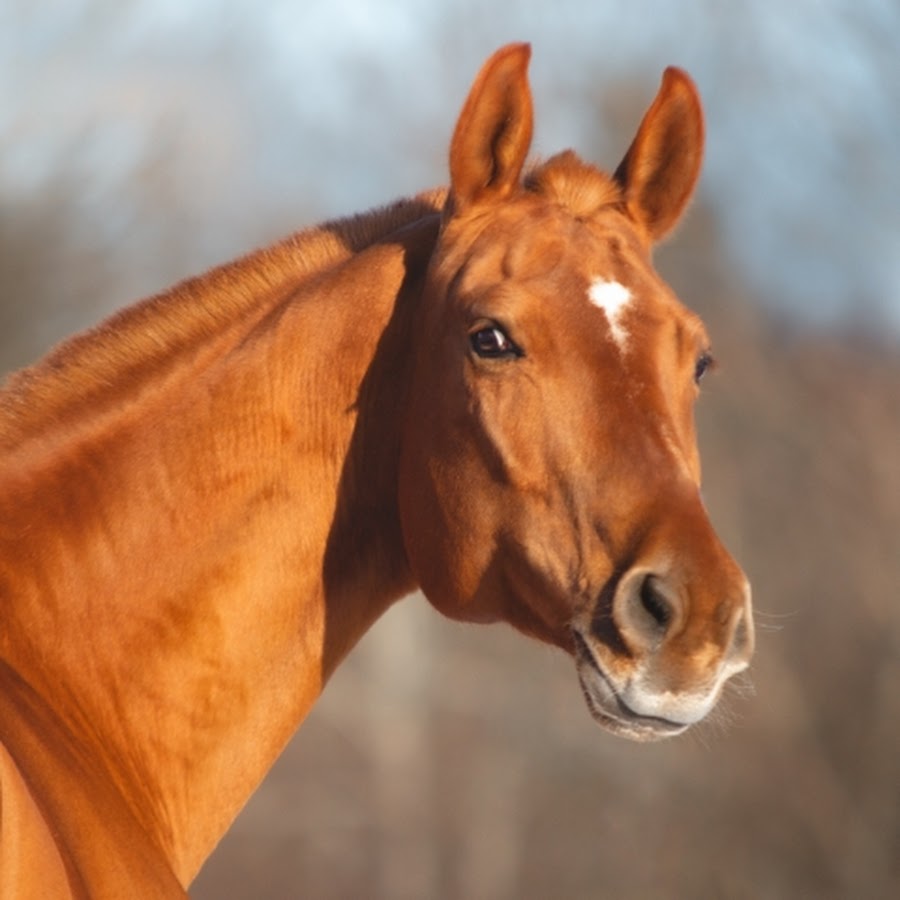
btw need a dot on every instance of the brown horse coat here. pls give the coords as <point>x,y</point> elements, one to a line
<point>205,502</point>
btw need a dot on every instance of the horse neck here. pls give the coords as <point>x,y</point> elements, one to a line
<point>183,571</point>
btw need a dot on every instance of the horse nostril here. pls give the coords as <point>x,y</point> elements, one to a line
<point>740,648</point>
<point>645,610</point>
<point>655,603</point>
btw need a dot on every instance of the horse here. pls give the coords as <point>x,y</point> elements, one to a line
<point>484,392</point>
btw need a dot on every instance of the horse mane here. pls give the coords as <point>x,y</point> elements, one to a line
<point>141,337</point>
<point>134,342</point>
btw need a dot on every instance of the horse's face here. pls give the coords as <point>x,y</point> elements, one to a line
<point>550,476</point>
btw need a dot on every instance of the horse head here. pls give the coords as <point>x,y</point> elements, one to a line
<point>549,473</point>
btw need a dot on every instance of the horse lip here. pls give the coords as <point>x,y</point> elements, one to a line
<point>621,720</point>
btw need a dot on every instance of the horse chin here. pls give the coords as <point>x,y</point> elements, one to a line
<point>608,709</point>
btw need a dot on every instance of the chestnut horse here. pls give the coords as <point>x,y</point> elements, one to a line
<point>485,392</point>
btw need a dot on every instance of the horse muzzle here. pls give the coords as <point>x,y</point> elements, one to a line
<point>653,660</point>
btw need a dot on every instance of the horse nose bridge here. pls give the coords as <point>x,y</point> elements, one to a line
<point>675,535</point>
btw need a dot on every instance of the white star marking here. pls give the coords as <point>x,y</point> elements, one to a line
<point>612,299</point>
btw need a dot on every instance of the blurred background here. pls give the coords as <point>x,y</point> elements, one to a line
<point>145,140</point>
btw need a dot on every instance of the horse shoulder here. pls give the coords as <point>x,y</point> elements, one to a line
<point>65,830</point>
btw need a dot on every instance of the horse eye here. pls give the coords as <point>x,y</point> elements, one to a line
<point>704,363</point>
<point>492,343</point>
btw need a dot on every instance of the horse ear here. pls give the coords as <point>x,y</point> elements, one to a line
<point>660,170</point>
<point>493,132</point>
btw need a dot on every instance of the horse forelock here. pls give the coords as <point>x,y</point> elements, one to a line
<point>577,186</point>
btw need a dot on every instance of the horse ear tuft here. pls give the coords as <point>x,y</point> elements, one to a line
<point>661,168</point>
<point>493,132</point>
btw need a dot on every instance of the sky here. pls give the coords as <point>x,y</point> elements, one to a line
<point>256,118</point>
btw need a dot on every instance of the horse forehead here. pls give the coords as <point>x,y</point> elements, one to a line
<point>581,267</point>
<point>536,243</point>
